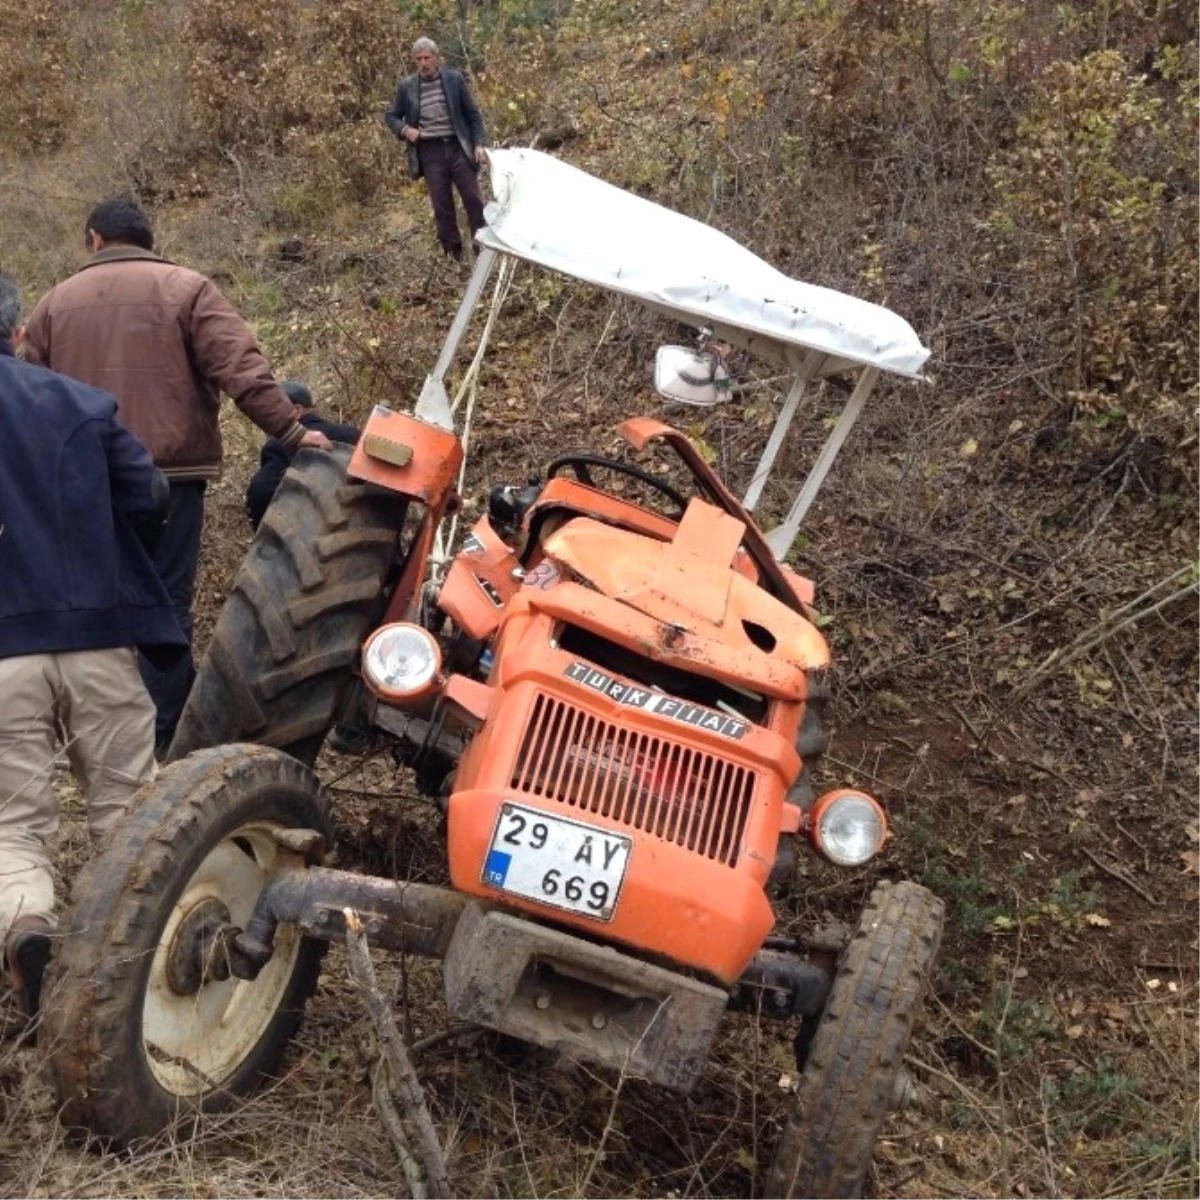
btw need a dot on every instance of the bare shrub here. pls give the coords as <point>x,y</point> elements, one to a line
<point>261,70</point>
<point>362,49</point>
<point>351,164</point>
<point>36,107</point>
<point>138,121</point>
<point>239,77</point>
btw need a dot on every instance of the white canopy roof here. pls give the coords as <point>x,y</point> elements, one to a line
<point>553,214</point>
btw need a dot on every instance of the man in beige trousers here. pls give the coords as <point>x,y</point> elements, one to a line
<point>81,505</point>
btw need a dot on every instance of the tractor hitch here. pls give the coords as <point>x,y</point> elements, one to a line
<point>414,918</point>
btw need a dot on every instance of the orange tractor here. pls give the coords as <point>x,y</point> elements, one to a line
<point>612,690</point>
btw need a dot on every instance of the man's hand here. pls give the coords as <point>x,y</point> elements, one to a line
<point>314,439</point>
<point>411,133</point>
<point>480,155</point>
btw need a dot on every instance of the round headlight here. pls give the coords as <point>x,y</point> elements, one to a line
<point>848,827</point>
<point>401,661</point>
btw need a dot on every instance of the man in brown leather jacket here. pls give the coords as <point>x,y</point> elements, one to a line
<point>165,342</point>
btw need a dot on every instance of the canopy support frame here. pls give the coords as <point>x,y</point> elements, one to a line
<point>433,405</point>
<point>782,537</point>
<point>810,367</point>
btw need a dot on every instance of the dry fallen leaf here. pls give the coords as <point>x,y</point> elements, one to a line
<point>1097,920</point>
<point>1074,1031</point>
<point>1191,862</point>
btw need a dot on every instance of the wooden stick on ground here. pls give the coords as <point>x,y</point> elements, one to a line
<point>389,1118</point>
<point>430,1177</point>
<point>1121,877</point>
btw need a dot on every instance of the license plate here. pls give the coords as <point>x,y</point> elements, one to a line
<point>565,864</point>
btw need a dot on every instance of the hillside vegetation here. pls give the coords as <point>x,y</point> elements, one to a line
<point>1005,554</point>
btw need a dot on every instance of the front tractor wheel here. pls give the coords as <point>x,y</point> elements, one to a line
<point>848,1083</point>
<point>144,1022</point>
<point>306,595</point>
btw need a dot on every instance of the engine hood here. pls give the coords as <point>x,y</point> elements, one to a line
<point>691,584</point>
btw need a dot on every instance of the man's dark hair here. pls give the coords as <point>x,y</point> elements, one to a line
<point>297,393</point>
<point>122,221</point>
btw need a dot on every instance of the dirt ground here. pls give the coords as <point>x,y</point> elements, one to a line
<point>1057,1055</point>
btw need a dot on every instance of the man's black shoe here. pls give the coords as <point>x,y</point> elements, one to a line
<point>349,739</point>
<point>27,951</point>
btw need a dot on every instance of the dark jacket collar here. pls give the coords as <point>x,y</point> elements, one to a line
<point>6,347</point>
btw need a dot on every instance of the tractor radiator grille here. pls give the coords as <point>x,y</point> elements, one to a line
<point>677,793</point>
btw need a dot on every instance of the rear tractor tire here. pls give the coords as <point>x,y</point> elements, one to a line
<point>304,599</point>
<point>140,1033</point>
<point>849,1080</point>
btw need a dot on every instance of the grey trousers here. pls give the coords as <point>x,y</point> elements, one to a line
<point>96,701</point>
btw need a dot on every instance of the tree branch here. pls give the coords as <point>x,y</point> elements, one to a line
<point>404,1082</point>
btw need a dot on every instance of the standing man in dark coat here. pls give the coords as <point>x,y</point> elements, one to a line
<point>166,343</point>
<point>81,507</point>
<point>435,114</point>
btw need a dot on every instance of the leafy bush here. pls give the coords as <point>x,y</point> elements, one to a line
<point>1096,215</point>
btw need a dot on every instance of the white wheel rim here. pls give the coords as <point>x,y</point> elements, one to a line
<point>195,1043</point>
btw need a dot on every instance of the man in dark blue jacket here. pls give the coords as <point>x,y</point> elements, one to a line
<point>81,504</point>
<point>435,114</point>
<point>275,458</point>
